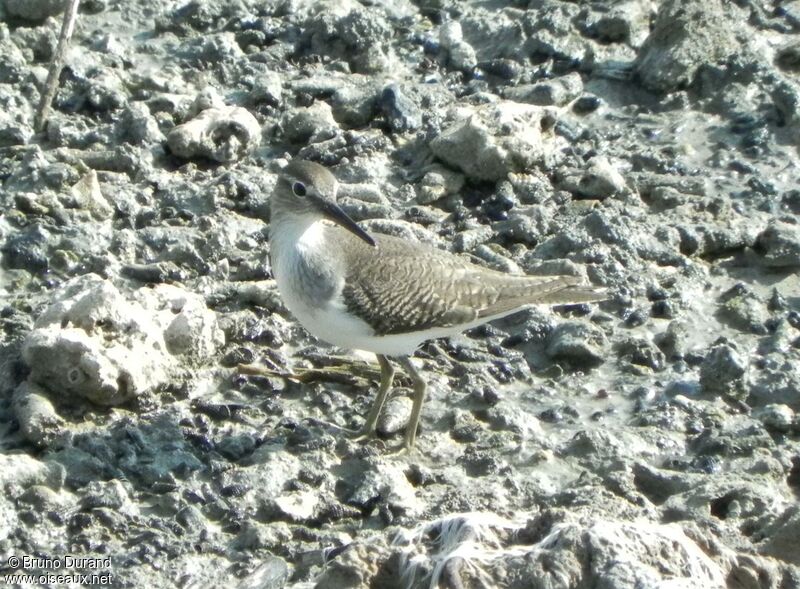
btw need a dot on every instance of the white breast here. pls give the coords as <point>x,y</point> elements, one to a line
<point>330,321</point>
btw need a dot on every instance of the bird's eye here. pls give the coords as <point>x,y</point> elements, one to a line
<point>299,189</point>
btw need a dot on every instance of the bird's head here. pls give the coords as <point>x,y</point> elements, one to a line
<point>308,190</point>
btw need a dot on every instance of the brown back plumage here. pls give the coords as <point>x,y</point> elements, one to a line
<point>403,286</point>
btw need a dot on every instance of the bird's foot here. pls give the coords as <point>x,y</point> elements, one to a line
<point>365,433</point>
<point>400,450</point>
<point>327,424</point>
<point>349,374</point>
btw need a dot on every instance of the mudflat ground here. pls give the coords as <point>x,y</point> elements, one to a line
<point>651,440</point>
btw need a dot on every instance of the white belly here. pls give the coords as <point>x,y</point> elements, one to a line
<point>335,325</point>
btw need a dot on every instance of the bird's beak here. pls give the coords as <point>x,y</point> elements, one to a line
<point>335,213</point>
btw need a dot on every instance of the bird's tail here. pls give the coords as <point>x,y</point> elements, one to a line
<point>545,290</point>
<point>573,295</point>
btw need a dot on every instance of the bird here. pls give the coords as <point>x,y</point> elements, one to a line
<point>383,294</point>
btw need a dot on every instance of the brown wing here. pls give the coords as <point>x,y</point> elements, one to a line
<point>403,286</point>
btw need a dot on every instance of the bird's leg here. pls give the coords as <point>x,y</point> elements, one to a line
<point>387,376</point>
<point>420,386</point>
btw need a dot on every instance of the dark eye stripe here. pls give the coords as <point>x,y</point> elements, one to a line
<point>299,189</point>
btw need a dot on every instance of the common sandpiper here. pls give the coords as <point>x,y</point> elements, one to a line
<point>384,294</point>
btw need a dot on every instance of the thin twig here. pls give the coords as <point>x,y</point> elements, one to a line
<point>67,27</point>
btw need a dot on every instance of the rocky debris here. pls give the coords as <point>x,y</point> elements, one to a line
<point>386,485</point>
<point>686,36</point>
<point>722,371</point>
<point>437,183</point>
<point>781,538</point>
<point>399,110</point>
<point>268,88</point>
<point>354,105</point>
<point>348,31</point>
<point>471,546</point>
<point>94,343</point>
<point>555,92</point>
<point>779,245</point>
<point>272,573</point>
<point>599,180</point>
<point>744,309</point>
<point>311,124</point>
<point>224,134</point>
<point>18,470</point>
<point>659,427</point>
<point>776,417</point>
<point>35,11</point>
<point>88,195</point>
<point>460,54</point>
<point>38,419</point>
<point>493,140</point>
<point>640,352</point>
<point>299,506</point>
<point>579,344</point>
<point>395,415</point>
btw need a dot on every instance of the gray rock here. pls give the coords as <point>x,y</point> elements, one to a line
<point>34,10</point>
<point>673,342</point>
<point>311,124</point>
<point>709,239</point>
<point>776,417</point>
<point>523,229</point>
<point>399,110</point>
<point>107,494</point>
<point>788,57</point>
<point>355,105</point>
<point>490,141</point>
<point>687,35</point>
<point>779,245</point>
<point>782,537</point>
<point>437,183</point>
<point>555,92</point>
<point>138,126</point>
<point>18,471</point>
<point>778,380</point>
<point>551,32</point>
<point>627,21</point>
<point>722,371</point>
<point>743,309</point>
<point>210,48</point>
<point>641,352</point>
<point>395,415</point>
<point>272,573</point>
<point>88,196</point>
<point>13,132</point>
<point>221,134</point>
<point>93,343</point>
<point>460,54</point>
<point>297,506</point>
<point>193,332</point>
<point>600,180</point>
<point>350,32</point>
<point>386,483</point>
<point>466,241</point>
<point>268,88</point>
<point>14,65</point>
<point>667,197</point>
<point>38,419</point>
<point>580,344</point>
<point>28,249</point>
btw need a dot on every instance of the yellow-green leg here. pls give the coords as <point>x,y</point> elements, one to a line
<point>420,386</point>
<point>387,376</point>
